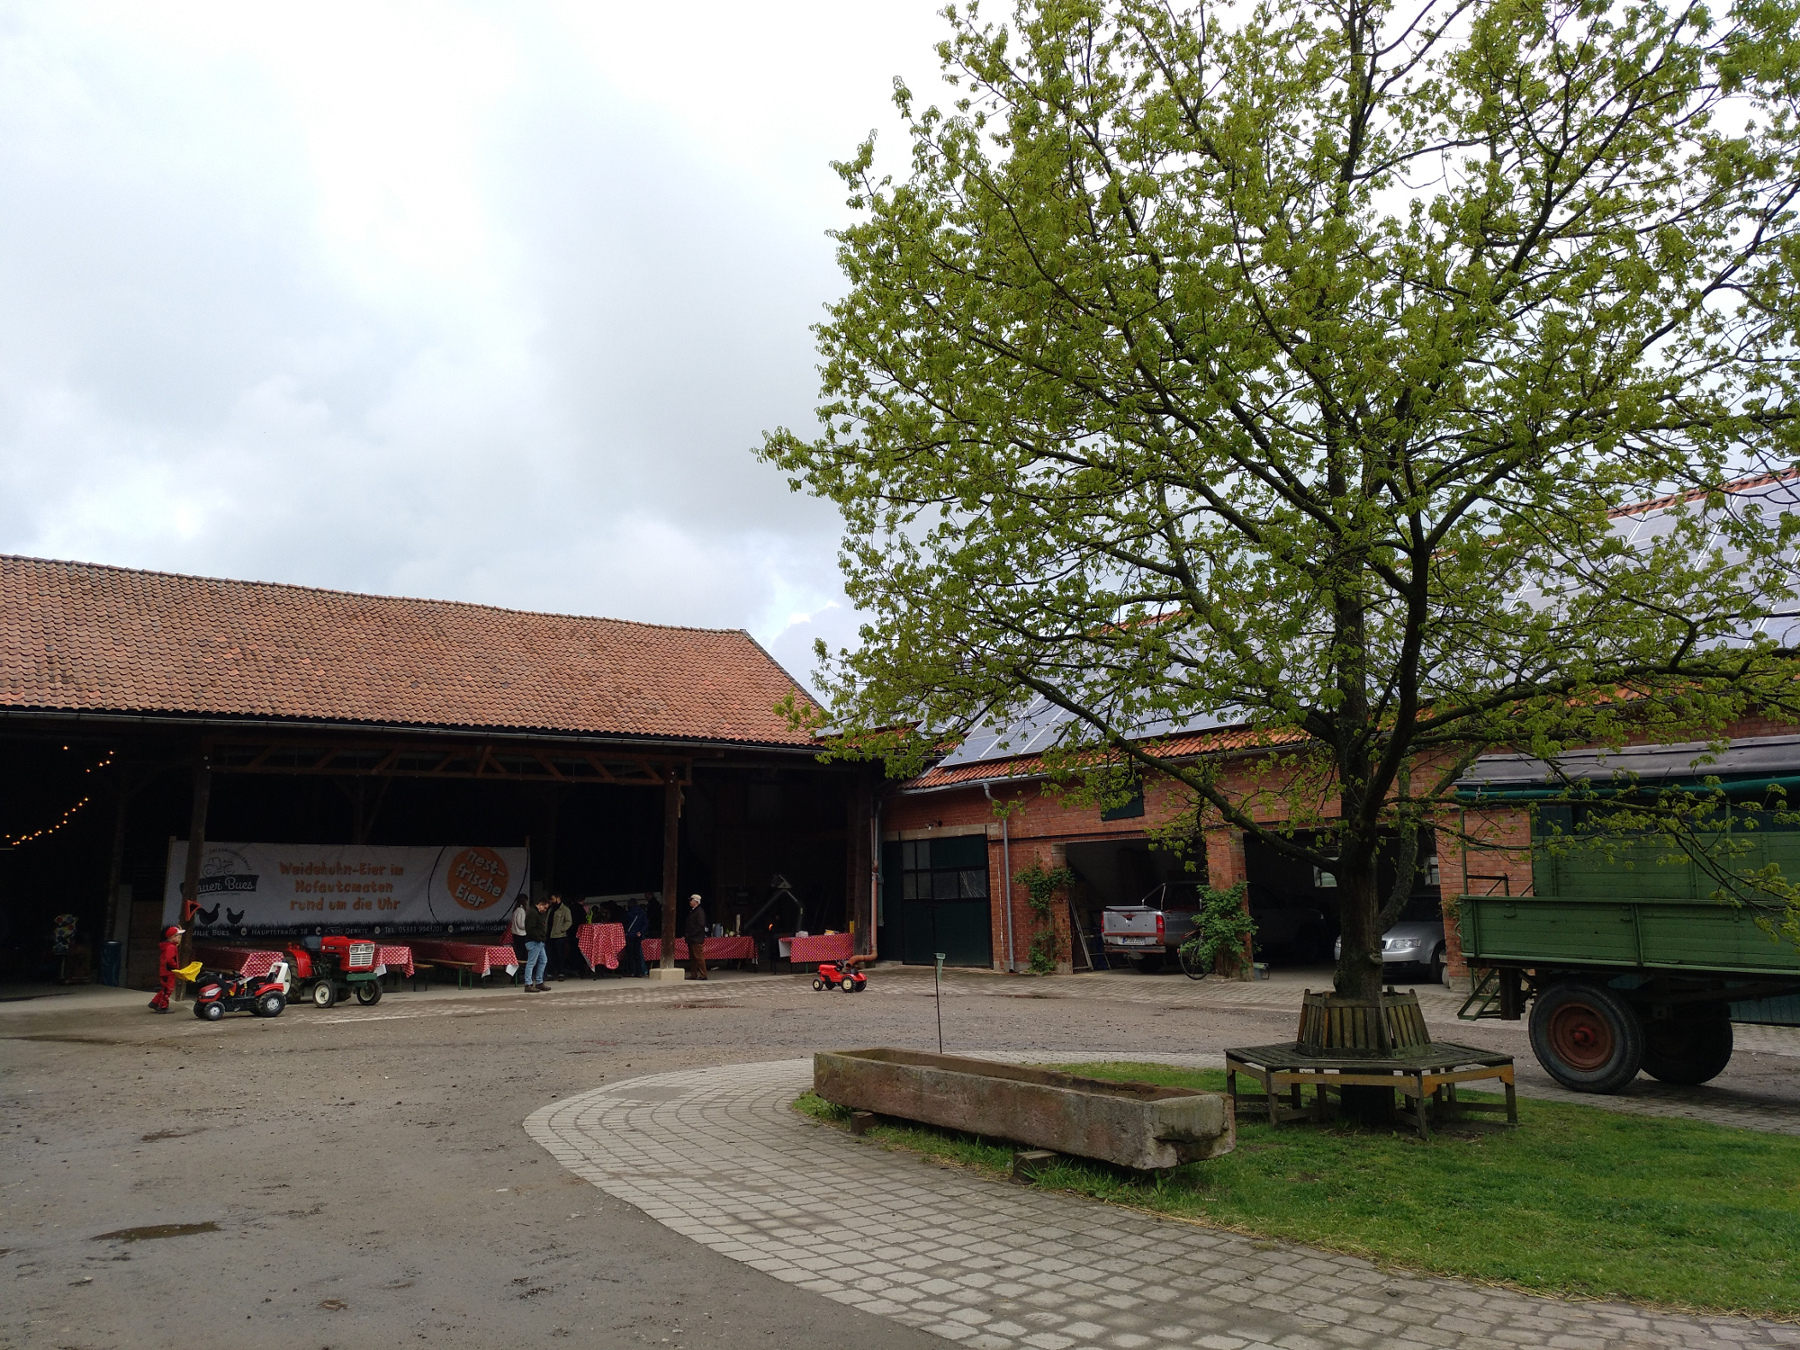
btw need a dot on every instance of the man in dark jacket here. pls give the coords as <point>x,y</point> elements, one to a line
<point>636,923</point>
<point>696,939</point>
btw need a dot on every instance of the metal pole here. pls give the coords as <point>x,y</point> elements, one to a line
<point>671,858</point>
<point>937,992</point>
<point>1012,961</point>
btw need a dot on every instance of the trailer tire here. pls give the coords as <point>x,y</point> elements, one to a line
<point>368,992</point>
<point>1690,1049</point>
<point>1586,1036</point>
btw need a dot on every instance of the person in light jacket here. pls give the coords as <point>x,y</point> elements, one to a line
<point>517,926</point>
<point>562,938</point>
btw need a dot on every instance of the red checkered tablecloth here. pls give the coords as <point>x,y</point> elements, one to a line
<point>600,944</point>
<point>251,961</point>
<point>824,947</point>
<point>717,949</point>
<point>483,956</point>
<point>394,958</point>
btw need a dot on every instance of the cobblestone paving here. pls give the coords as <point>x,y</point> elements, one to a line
<point>717,1155</point>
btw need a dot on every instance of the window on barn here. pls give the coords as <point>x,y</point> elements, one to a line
<point>1129,809</point>
<point>944,869</point>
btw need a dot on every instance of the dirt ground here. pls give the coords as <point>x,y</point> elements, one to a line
<point>359,1177</point>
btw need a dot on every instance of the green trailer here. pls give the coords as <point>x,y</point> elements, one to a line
<point>1628,957</point>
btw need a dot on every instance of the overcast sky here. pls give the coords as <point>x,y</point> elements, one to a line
<point>474,302</point>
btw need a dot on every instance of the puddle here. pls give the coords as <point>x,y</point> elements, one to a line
<point>149,1232</point>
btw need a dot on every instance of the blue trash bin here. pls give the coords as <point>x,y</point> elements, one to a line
<point>112,963</point>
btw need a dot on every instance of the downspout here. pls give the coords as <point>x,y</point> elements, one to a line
<point>1012,966</point>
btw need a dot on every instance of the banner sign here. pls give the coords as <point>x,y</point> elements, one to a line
<point>248,889</point>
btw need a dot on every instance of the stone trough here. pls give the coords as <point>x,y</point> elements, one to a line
<point>1134,1125</point>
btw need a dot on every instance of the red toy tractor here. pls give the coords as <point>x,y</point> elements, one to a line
<point>840,975</point>
<point>337,966</point>
<point>218,992</point>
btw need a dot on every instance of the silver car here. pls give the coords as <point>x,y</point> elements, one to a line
<point>1411,947</point>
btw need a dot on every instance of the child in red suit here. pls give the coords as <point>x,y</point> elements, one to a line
<point>168,961</point>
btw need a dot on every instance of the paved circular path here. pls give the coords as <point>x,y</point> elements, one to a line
<point>716,1154</point>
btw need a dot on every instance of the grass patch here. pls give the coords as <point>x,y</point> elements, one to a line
<point>1578,1201</point>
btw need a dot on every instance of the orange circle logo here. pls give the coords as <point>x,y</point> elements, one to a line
<point>478,878</point>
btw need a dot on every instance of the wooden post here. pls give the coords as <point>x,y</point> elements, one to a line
<point>670,867</point>
<point>859,864</point>
<point>196,845</point>
<point>113,930</point>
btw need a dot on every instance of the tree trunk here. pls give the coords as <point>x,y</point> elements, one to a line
<point>1359,965</point>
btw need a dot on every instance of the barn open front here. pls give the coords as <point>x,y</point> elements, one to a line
<point>269,765</point>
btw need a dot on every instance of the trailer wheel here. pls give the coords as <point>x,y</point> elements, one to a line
<point>1586,1036</point>
<point>1692,1048</point>
<point>270,1005</point>
<point>368,992</point>
<point>324,994</point>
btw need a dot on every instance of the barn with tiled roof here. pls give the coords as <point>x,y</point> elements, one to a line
<point>141,708</point>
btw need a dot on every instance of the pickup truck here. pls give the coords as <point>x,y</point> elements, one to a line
<point>1149,934</point>
<point>1627,969</point>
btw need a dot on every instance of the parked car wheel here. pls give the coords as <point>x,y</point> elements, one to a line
<point>368,992</point>
<point>1692,1047</point>
<point>324,994</point>
<point>1440,967</point>
<point>1586,1036</point>
<point>270,1005</point>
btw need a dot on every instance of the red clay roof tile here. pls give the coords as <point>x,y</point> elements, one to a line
<point>81,637</point>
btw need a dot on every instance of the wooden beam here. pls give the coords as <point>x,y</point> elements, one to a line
<point>671,865</point>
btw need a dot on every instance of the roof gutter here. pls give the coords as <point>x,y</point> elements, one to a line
<point>390,729</point>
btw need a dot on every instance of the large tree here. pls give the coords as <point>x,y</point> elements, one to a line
<point>1281,363</point>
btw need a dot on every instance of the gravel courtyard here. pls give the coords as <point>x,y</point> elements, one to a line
<point>363,1177</point>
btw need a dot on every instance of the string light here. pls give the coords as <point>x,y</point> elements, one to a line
<point>14,841</point>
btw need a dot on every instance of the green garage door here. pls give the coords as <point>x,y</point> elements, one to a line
<point>937,893</point>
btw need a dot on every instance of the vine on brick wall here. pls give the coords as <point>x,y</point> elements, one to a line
<point>1042,885</point>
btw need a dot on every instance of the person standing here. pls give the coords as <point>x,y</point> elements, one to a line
<point>696,939</point>
<point>537,935</point>
<point>521,908</point>
<point>562,939</point>
<point>168,960</point>
<point>635,924</point>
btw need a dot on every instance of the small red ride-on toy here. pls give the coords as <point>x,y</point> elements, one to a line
<point>840,975</point>
<point>328,972</point>
<point>218,992</point>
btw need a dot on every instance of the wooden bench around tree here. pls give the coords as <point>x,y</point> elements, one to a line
<point>1424,1073</point>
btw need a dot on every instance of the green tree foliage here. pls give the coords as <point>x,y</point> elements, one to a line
<point>1222,925</point>
<point>1280,364</point>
